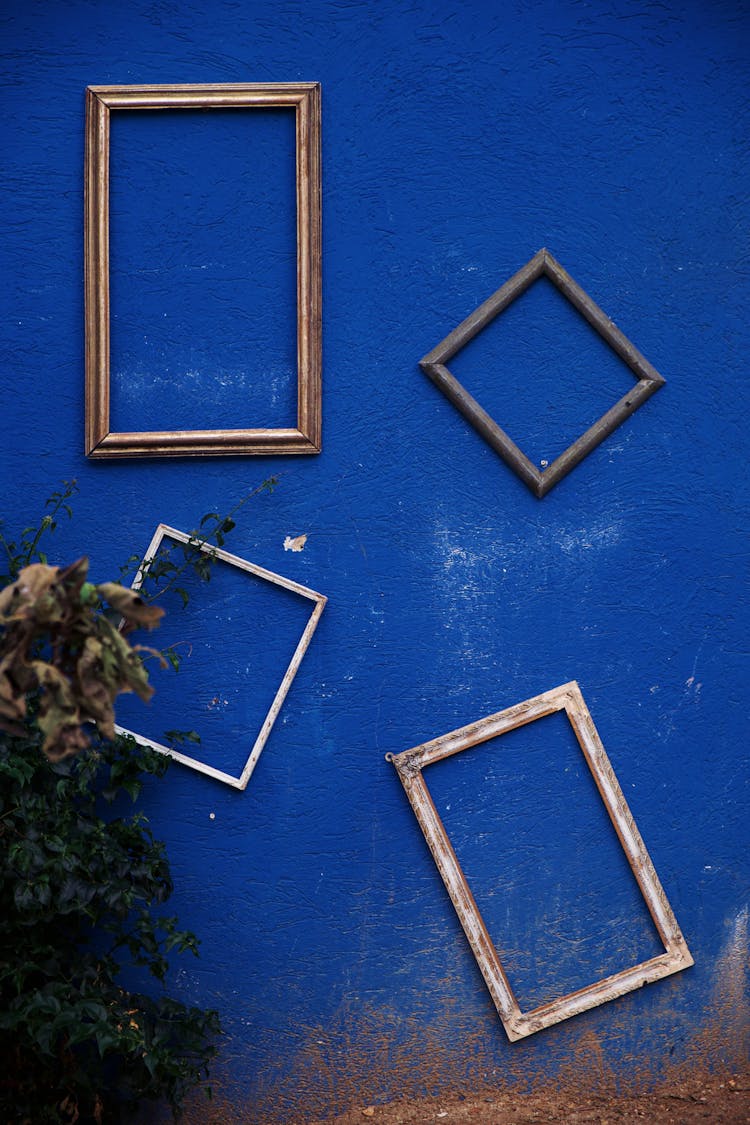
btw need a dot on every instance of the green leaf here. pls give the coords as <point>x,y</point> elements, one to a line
<point>107,1040</point>
<point>132,788</point>
<point>180,736</point>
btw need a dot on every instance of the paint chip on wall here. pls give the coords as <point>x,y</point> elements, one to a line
<point>295,544</point>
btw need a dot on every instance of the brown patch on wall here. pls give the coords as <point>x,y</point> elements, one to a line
<point>369,1057</point>
<point>722,1043</point>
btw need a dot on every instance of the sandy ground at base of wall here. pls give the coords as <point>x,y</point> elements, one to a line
<point>723,1101</point>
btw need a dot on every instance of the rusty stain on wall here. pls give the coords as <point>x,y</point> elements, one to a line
<point>365,1056</point>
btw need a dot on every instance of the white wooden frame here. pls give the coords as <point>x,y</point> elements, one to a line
<point>163,531</point>
<point>409,766</point>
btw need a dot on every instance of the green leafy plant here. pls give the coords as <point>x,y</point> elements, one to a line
<point>165,570</point>
<point>79,890</point>
<point>82,880</point>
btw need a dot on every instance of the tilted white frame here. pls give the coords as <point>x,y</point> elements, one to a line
<point>409,766</point>
<point>163,531</point>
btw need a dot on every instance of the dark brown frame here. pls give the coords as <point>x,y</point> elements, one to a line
<point>434,365</point>
<point>409,765</point>
<point>101,101</point>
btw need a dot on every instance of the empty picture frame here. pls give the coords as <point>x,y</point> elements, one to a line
<point>101,102</point>
<point>409,766</point>
<point>318,600</point>
<point>434,365</point>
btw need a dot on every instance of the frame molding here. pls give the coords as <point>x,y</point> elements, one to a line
<point>101,101</point>
<point>163,531</point>
<point>409,766</point>
<point>434,365</point>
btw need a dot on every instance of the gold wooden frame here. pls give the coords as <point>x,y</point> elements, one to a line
<point>164,531</point>
<point>409,766</point>
<point>304,97</point>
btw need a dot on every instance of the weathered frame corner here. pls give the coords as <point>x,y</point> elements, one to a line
<point>162,532</point>
<point>409,766</point>
<point>305,437</point>
<point>434,364</point>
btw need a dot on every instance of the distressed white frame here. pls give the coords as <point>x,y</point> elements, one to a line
<point>409,765</point>
<point>163,531</point>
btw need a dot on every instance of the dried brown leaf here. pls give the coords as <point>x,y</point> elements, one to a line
<point>130,604</point>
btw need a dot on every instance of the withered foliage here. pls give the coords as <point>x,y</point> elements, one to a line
<point>62,653</point>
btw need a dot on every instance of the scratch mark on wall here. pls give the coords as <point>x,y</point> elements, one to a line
<point>731,972</point>
<point>590,538</point>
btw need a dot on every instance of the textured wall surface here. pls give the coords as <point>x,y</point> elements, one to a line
<point>457,140</point>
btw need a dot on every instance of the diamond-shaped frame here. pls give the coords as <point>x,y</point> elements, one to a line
<point>409,766</point>
<point>163,531</point>
<point>434,364</point>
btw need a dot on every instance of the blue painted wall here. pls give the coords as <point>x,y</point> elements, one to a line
<point>458,139</point>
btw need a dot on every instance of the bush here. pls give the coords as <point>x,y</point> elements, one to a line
<point>81,878</point>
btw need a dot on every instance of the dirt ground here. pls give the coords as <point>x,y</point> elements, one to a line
<point>720,1101</point>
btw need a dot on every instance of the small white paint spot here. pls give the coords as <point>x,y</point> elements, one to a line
<point>296,543</point>
<point>212,816</point>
